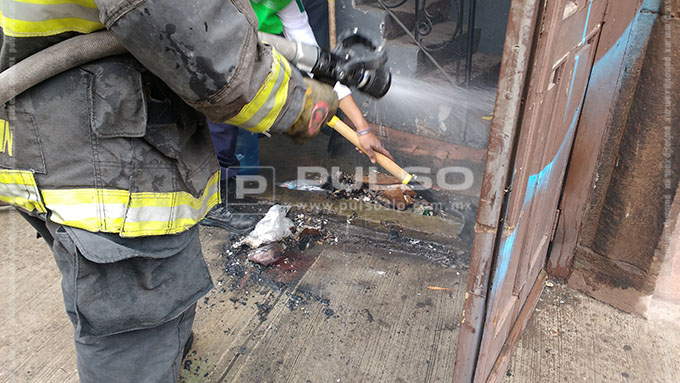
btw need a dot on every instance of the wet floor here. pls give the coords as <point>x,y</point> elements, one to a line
<point>317,313</point>
<point>359,313</point>
<point>355,278</point>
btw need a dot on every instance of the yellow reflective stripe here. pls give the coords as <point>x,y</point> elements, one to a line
<point>73,197</point>
<point>21,202</point>
<point>144,220</point>
<point>261,113</point>
<point>82,3</point>
<point>35,18</point>
<point>131,214</point>
<point>281,97</point>
<point>6,138</point>
<point>108,217</point>
<point>18,188</point>
<point>249,110</point>
<point>106,225</point>
<point>18,28</point>
<point>19,177</point>
<point>165,200</point>
<point>129,230</point>
<point>147,228</point>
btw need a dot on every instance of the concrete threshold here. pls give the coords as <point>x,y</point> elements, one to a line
<point>369,215</point>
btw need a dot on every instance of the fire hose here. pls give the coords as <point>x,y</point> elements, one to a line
<point>356,62</point>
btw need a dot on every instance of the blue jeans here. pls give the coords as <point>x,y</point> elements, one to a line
<point>237,150</point>
<point>224,137</point>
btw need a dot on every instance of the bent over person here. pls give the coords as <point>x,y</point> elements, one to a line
<point>113,164</point>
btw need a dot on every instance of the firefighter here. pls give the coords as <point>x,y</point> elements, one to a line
<point>287,17</point>
<point>112,161</point>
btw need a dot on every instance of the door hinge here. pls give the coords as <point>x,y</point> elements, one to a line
<point>556,220</point>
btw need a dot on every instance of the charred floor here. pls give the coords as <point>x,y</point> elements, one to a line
<point>348,311</point>
<point>362,283</point>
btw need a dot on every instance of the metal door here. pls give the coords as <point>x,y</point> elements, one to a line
<point>535,137</point>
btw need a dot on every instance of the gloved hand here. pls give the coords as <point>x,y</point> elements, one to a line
<point>320,105</point>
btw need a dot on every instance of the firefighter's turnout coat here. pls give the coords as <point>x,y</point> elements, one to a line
<point>120,145</point>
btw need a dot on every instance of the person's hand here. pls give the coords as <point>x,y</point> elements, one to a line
<point>371,144</point>
<point>369,141</point>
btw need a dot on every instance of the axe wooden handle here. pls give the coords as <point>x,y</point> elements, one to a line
<point>331,24</point>
<point>381,159</point>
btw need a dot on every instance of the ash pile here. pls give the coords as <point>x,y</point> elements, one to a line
<point>276,235</point>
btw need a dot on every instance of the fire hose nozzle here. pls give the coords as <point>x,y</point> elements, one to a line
<point>357,61</point>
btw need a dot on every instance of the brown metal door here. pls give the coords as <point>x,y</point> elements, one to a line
<point>565,43</point>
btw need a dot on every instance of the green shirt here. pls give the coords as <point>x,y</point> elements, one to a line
<point>266,12</point>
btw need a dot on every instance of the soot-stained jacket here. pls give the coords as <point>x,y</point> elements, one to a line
<point>119,145</point>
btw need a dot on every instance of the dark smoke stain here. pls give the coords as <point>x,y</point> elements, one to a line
<point>204,80</point>
<point>426,303</point>
<point>369,316</point>
<point>263,310</point>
